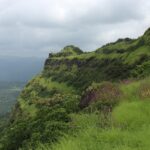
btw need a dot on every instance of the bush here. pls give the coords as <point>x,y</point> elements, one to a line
<point>142,70</point>
<point>144,90</point>
<point>101,96</point>
<point>46,127</point>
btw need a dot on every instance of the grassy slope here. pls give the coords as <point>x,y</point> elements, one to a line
<point>28,102</point>
<point>129,124</point>
<point>41,114</point>
<point>48,107</point>
<point>115,61</point>
<point>128,127</point>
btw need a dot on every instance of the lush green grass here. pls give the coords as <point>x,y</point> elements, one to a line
<point>41,114</point>
<point>127,128</point>
<point>50,115</point>
<point>131,89</point>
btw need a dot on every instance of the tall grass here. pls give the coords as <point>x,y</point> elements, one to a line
<point>128,129</point>
<point>131,131</point>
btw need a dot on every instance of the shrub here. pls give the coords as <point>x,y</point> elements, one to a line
<point>142,70</point>
<point>103,96</point>
<point>46,127</point>
<point>144,90</point>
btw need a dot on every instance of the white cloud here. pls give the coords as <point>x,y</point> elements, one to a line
<point>34,27</point>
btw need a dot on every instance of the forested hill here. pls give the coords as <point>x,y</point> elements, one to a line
<point>91,100</point>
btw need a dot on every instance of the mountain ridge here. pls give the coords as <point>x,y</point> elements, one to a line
<point>75,83</point>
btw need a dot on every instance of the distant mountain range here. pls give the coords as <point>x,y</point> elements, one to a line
<point>19,69</point>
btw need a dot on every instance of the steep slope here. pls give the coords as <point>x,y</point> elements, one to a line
<point>72,83</point>
<point>123,59</point>
<point>126,129</point>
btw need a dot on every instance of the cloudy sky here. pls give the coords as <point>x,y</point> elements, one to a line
<point>37,27</point>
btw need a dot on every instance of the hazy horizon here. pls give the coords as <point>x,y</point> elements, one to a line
<point>20,69</point>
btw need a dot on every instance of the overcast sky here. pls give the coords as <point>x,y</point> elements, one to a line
<point>37,27</point>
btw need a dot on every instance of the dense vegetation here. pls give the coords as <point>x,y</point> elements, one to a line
<point>86,101</point>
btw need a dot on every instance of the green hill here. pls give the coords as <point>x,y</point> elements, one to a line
<point>86,100</point>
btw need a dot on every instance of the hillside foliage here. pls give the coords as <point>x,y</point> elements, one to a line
<point>86,101</point>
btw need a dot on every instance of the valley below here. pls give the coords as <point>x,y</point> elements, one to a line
<point>9,91</point>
